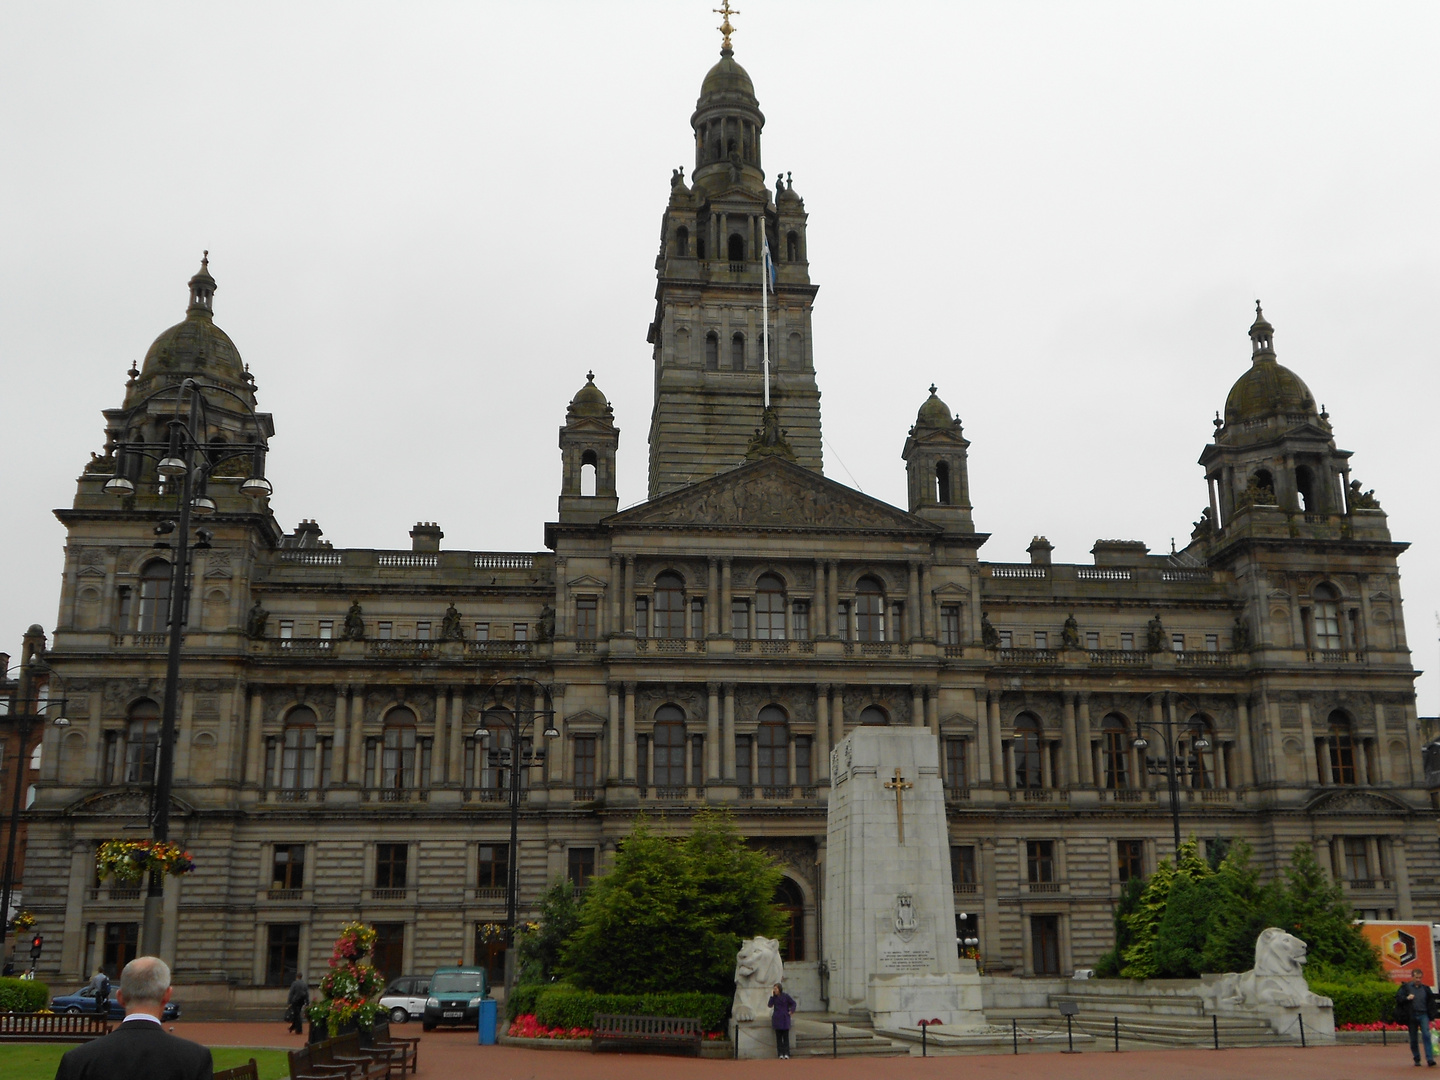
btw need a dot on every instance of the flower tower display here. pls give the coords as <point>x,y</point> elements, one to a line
<point>130,860</point>
<point>351,987</point>
<point>23,921</point>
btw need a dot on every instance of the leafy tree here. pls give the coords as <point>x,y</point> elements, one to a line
<point>539,950</point>
<point>1108,966</point>
<point>1139,960</point>
<point>1315,910</point>
<point>1240,908</point>
<point>670,914</point>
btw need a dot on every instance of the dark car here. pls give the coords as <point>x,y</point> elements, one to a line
<point>455,995</point>
<point>83,1001</point>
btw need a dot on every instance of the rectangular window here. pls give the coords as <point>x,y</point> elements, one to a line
<point>742,761</point>
<point>520,631</point>
<point>122,944</point>
<point>582,866</point>
<point>642,759</point>
<point>802,760</point>
<point>494,866</point>
<point>327,759</point>
<point>1129,859</point>
<point>287,628</point>
<point>800,621</point>
<point>697,761</point>
<point>1092,639</point>
<point>897,621</point>
<point>482,631</point>
<point>1045,944</point>
<point>1042,639</point>
<point>1177,642</point>
<point>282,958</point>
<point>384,630</point>
<point>1127,642</point>
<point>1040,861</point>
<point>740,619</point>
<point>422,631</point>
<point>587,626</point>
<point>956,773</point>
<point>950,624</point>
<point>1357,859</point>
<point>327,629</point>
<point>697,618</point>
<point>289,867</point>
<point>391,863</point>
<point>1212,642</point>
<point>842,620</point>
<point>1007,639</point>
<point>585,761</point>
<point>962,864</point>
<point>642,616</point>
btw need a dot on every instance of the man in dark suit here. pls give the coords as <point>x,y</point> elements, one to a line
<point>140,1048</point>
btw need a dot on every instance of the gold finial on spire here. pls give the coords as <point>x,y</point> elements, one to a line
<point>725,28</point>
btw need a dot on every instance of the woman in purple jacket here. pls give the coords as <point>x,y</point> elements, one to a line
<point>781,1006</point>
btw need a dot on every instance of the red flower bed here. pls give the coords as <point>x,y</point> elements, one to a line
<point>1378,1025</point>
<point>525,1026</point>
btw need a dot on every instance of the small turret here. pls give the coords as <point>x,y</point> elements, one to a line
<point>588,444</point>
<point>936,465</point>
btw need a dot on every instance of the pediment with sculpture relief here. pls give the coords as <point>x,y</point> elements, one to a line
<point>1352,801</point>
<point>772,493</point>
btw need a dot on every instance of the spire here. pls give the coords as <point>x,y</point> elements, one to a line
<point>202,288</point>
<point>725,11</point>
<point>1262,336</point>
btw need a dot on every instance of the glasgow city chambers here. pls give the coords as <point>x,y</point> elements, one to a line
<point>354,728</point>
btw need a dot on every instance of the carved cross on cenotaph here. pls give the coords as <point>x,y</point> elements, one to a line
<point>899,785</point>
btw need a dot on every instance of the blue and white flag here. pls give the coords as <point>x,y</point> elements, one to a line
<point>769,263</point>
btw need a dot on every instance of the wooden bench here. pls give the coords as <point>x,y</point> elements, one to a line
<point>406,1049</point>
<point>612,1031</point>
<point>52,1027</point>
<point>314,1063</point>
<point>248,1071</point>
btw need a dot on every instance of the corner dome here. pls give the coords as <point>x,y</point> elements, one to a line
<point>934,414</point>
<point>1267,389</point>
<point>589,402</point>
<point>195,347</point>
<point>728,77</point>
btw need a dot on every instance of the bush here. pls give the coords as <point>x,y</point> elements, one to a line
<point>522,999</point>
<point>1365,1001</point>
<point>23,995</point>
<point>567,1007</point>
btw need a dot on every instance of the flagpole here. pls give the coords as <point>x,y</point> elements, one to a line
<point>765,315</point>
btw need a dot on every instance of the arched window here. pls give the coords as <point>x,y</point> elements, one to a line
<point>1114,753</point>
<point>1027,752</point>
<point>669,606</point>
<point>1198,762</point>
<point>773,742</point>
<point>297,756</point>
<point>1341,745</point>
<point>669,744</point>
<point>792,247</point>
<point>770,607</point>
<point>1305,485</point>
<point>142,742</point>
<point>791,903</point>
<point>712,351</point>
<point>737,352</point>
<point>154,597</point>
<point>874,716</point>
<point>589,466</point>
<point>737,248</point>
<point>495,772</point>
<point>682,242</point>
<point>795,350</point>
<point>397,756</point>
<point>942,483</point>
<point>1327,618</point>
<point>1266,483</point>
<point>869,610</point>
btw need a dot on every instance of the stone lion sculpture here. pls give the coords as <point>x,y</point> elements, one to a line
<point>758,967</point>
<point>1278,978</point>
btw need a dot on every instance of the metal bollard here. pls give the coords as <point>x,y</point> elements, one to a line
<point>1117,1034</point>
<point>1014,1035</point>
<point>1215,1030</point>
<point>1069,1035</point>
<point>1301,1018</point>
<point>834,1040</point>
<point>924,1037</point>
<point>1383,1040</point>
<point>737,1039</point>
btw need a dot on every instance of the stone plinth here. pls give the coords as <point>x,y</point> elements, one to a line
<point>889,902</point>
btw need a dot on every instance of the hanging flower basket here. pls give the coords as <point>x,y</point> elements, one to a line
<point>130,860</point>
<point>23,921</point>
<point>351,987</point>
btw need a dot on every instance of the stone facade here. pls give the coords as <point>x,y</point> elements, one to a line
<point>707,648</point>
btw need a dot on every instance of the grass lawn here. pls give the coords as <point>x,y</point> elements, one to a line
<point>38,1061</point>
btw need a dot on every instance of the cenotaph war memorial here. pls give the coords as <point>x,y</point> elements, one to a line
<point>889,901</point>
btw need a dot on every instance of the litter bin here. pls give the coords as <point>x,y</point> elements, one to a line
<point>487,1021</point>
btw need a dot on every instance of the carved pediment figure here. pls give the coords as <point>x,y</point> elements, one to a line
<point>1155,634</point>
<point>450,629</point>
<point>1070,633</point>
<point>355,622</point>
<point>255,622</point>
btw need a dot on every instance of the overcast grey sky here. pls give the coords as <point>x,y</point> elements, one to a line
<point>429,220</point>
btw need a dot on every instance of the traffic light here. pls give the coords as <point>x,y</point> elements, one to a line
<point>36,944</point>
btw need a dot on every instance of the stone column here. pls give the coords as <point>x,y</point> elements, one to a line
<point>614,588</point>
<point>555,752</point>
<point>912,602</point>
<point>834,601</point>
<point>1247,750</point>
<point>181,749</point>
<point>1082,736</point>
<point>564,622</point>
<point>837,712</point>
<point>630,743</point>
<point>712,730</point>
<point>932,710</point>
<point>727,733</point>
<point>822,732</point>
<point>441,744</point>
<point>821,615</point>
<point>712,597</point>
<point>627,601</point>
<point>357,734</point>
<point>339,771</point>
<point>615,736</point>
<point>1401,869</point>
<point>1072,740</point>
<point>990,923</point>
<point>1307,739</point>
<point>790,759</point>
<point>1382,749</point>
<point>254,745</point>
<point>927,604</point>
<point>72,939</point>
<point>724,613</point>
<point>95,751</point>
<point>917,706</point>
<point>997,757</point>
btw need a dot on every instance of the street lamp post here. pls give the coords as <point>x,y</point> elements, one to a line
<point>189,457</point>
<point>1166,730</point>
<point>31,705</point>
<point>519,722</point>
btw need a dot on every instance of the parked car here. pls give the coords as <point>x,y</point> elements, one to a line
<point>405,998</point>
<point>455,994</point>
<point>83,1001</point>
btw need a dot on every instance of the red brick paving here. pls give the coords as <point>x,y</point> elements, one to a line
<point>447,1054</point>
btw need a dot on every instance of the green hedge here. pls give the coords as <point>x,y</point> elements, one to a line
<point>563,1006</point>
<point>522,999</point>
<point>23,995</point>
<point>1359,1002</point>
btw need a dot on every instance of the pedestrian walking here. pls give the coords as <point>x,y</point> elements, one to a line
<point>1415,1003</point>
<point>100,983</point>
<point>295,1003</point>
<point>782,1007</point>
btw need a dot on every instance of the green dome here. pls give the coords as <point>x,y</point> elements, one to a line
<point>195,348</point>
<point>589,402</point>
<point>727,77</point>
<point>1267,389</point>
<point>934,414</point>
